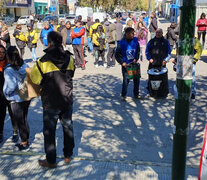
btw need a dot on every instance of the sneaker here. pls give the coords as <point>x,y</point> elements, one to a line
<point>96,65</point>
<point>105,65</point>
<point>83,68</point>
<point>15,138</point>
<point>67,160</point>
<point>193,96</point>
<point>44,163</point>
<point>123,98</point>
<point>21,147</point>
<point>1,138</point>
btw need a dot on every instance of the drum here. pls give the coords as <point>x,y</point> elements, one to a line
<point>158,82</point>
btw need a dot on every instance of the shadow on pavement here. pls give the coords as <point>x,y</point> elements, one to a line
<point>110,130</point>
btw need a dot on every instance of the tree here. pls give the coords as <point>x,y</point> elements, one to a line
<point>2,10</point>
<point>111,4</point>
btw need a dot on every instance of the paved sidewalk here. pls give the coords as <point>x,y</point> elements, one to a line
<point>114,139</point>
<point>26,167</point>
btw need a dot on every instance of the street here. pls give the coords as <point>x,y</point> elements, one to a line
<point>113,139</point>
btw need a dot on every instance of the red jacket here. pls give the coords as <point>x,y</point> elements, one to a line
<point>77,35</point>
<point>201,24</point>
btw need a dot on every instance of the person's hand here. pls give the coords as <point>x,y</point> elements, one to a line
<point>124,64</point>
<point>151,60</point>
<point>164,63</point>
<point>134,61</point>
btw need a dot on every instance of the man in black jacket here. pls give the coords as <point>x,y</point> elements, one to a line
<point>54,73</point>
<point>158,50</point>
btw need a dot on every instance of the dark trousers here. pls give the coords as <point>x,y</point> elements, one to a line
<point>126,82</point>
<point>203,33</point>
<point>79,55</point>
<point>111,55</point>
<point>99,53</point>
<point>3,105</point>
<point>50,118</point>
<point>19,112</point>
<point>22,51</point>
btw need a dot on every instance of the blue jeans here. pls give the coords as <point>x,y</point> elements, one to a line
<point>193,89</point>
<point>90,44</point>
<point>33,51</point>
<point>50,118</point>
<point>126,82</point>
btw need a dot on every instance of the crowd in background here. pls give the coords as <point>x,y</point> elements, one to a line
<point>98,37</point>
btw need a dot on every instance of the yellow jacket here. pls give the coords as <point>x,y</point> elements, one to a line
<point>21,36</point>
<point>94,27</point>
<point>32,34</point>
<point>198,50</point>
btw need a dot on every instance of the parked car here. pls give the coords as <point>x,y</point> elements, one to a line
<point>48,18</point>
<point>9,21</point>
<point>70,18</point>
<point>23,20</point>
<point>61,17</point>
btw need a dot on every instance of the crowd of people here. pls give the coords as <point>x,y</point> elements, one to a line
<point>64,51</point>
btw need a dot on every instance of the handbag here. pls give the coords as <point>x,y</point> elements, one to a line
<point>23,92</point>
<point>133,71</point>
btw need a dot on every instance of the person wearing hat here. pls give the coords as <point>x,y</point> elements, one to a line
<point>20,39</point>
<point>31,39</point>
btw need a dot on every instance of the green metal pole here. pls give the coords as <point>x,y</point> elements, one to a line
<point>183,82</point>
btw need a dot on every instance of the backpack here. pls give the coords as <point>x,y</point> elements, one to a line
<point>101,40</point>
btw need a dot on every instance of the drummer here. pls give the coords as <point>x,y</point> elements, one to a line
<point>158,50</point>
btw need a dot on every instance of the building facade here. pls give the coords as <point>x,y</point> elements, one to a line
<point>41,6</point>
<point>17,8</point>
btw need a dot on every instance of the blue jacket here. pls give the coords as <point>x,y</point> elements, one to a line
<point>127,51</point>
<point>44,34</point>
<point>77,35</point>
<point>13,82</point>
<point>146,20</point>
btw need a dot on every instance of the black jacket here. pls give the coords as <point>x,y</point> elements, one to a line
<point>157,49</point>
<point>54,72</point>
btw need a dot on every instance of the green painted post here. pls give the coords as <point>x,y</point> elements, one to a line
<point>183,82</point>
